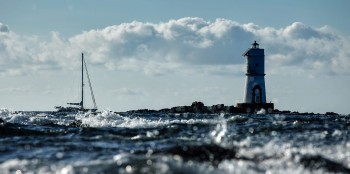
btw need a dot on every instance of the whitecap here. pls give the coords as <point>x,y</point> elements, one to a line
<point>261,111</point>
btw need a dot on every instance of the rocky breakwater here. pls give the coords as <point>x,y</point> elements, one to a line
<point>196,107</point>
<point>199,107</point>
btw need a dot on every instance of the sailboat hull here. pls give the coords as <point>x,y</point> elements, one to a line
<point>73,109</point>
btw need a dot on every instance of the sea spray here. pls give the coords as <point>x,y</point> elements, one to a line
<point>220,130</point>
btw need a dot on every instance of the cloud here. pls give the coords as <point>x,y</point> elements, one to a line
<point>299,30</point>
<point>316,51</point>
<point>180,46</point>
<point>4,28</point>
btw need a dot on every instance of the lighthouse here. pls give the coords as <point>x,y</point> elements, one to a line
<point>255,92</point>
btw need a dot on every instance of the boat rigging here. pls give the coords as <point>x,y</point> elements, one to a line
<point>76,107</point>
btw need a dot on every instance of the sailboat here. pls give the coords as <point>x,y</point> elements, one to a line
<point>79,107</point>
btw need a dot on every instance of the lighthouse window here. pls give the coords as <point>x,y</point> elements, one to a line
<point>257,95</point>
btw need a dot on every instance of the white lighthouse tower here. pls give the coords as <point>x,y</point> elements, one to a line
<point>255,93</point>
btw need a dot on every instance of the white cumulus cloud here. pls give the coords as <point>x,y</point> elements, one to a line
<point>183,45</point>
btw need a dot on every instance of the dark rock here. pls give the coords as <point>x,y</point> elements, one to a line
<point>142,111</point>
<point>166,110</point>
<point>198,107</point>
<point>331,113</point>
<point>180,109</point>
<point>217,108</point>
<point>285,112</point>
<point>231,109</point>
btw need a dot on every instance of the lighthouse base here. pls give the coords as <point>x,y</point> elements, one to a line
<point>255,107</point>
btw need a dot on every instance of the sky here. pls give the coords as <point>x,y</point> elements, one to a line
<point>159,53</point>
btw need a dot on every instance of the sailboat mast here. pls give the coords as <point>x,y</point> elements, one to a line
<point>82,81</point>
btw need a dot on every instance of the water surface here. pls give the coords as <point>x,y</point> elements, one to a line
<point>48,142</point>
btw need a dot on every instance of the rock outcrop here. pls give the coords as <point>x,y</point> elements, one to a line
<point>196,107</point>
<point>199,107</point>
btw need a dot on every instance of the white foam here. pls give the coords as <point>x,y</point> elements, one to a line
<point>20,118</point>
<point>4,112</point>
<point>111,119</point>
<point>220,131</point>
<point>13,165</point>
<point>261,111</point>
<point>103,119</point>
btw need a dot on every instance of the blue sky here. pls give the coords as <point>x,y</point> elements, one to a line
<point>156,53</point>
<point>70,17</point>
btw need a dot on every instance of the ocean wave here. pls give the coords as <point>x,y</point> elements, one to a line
<point>108,142</point>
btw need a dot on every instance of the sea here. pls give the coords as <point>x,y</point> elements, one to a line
<point>109,142</point>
